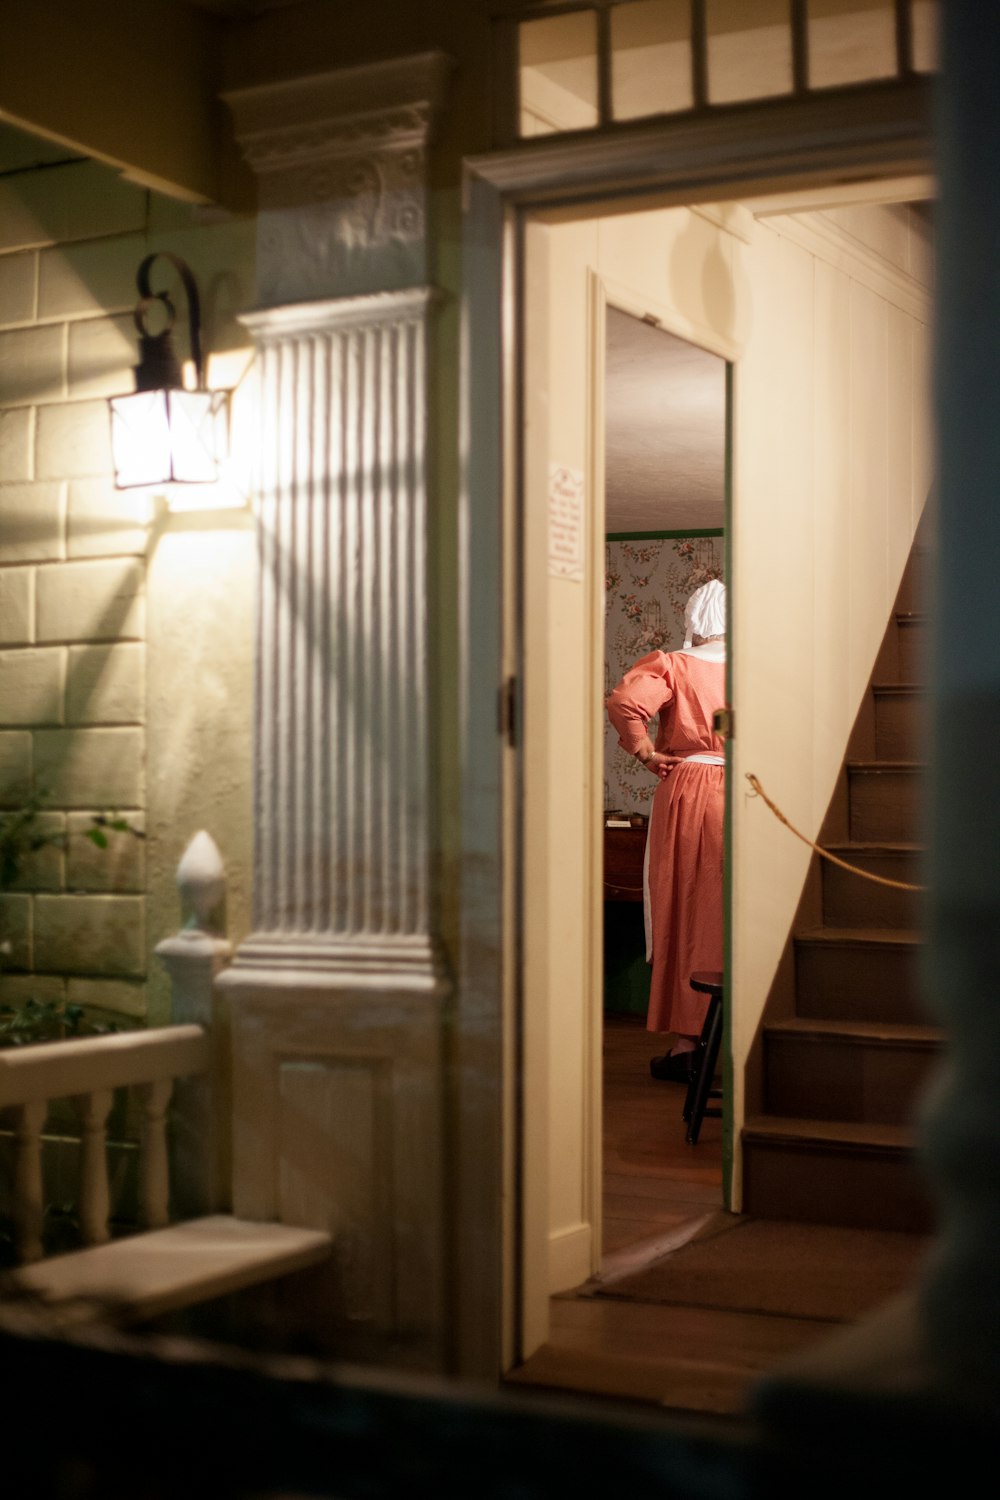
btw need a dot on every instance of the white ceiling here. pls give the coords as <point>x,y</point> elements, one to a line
<point>665,430</point>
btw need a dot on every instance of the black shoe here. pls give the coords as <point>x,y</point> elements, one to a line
<point>672,1069</point>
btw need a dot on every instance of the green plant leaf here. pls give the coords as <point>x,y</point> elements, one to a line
<point>97,837</point>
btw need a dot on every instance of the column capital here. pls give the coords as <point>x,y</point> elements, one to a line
<point>342,179</point>
<point>271,325</point>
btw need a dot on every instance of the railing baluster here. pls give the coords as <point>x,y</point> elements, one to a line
<point>95,1202</point>
<point>154,1172</point>
<point>28,1201</point>
<point>87,1070</point>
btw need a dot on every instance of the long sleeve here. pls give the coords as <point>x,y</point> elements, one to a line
<point>642,692</point>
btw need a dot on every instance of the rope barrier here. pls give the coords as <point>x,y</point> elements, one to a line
<point>897,885</point>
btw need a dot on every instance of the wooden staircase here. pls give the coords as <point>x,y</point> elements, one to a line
<point>845,1048</point>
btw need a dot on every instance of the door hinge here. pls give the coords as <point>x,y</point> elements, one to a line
<point>507,710</point>
<point>724,722</point>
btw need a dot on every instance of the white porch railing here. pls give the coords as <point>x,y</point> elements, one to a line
<point>88,1070</point>
<point>169,1265</point>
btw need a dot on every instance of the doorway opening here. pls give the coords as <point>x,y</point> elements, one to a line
<point>665,503</point>
<point>813,312</point>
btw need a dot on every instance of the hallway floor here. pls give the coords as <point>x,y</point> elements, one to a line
<point>658,1193</point>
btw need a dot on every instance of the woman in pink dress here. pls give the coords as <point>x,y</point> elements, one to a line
<point>684,841</point>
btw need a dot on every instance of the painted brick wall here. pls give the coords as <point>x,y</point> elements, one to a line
<point>75,557</point>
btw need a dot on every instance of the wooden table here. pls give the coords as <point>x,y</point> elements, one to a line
<point>623,854</point>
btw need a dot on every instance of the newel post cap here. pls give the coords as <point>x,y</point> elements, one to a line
<point>201,880</point>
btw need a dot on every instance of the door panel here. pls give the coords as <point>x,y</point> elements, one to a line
<point>561,783</point>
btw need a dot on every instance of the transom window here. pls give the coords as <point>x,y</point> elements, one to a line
<point>582,66</point>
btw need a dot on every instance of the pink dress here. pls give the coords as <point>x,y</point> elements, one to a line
<point>685,830</point>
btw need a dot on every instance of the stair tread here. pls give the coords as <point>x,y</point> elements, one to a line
<point>869,936</point>
<point>911,616</point>
<point>875,846</point>
<point>829,1132</point>
<point>899,687</point>
<point>889,1032</point>
<point>886,765</point>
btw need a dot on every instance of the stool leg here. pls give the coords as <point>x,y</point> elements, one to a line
<point>698,1061</point>
<point>702,1082</point>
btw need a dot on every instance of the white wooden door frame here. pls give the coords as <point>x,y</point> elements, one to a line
<point>815,141</point>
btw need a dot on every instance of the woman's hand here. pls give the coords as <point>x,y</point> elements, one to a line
<point>656,764</point>
<point>660,765</point>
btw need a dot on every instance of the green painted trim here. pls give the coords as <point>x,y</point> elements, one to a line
<point>727,832</point>
<point>660,536</point>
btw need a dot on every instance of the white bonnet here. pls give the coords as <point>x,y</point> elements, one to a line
<point>705,611</point>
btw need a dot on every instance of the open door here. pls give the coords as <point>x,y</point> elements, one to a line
<point>561,557</point>
<point>566,290</point>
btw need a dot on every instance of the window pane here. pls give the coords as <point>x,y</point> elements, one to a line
<point>925,35</point>
<point>558,70</point>
<point>850,40</point>
<point>650,58</point>
<point>749,49</point>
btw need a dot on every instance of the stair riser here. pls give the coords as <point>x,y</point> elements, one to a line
<point>914,588</point>
<point>850,901</point>
<point>911,642</point>
<point>834,1186</point>
<point>884,806</point>
<point>853,983</point>
<point>899,726</point>
<point>856,1082</point>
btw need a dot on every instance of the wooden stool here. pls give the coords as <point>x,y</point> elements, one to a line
<point>706,1055</point>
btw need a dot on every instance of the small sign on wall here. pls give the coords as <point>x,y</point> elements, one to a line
<point>565,522</point>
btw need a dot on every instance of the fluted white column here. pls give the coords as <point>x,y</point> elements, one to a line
<point>337,999</point>
<point>342,796</point>
<point>342,787</point>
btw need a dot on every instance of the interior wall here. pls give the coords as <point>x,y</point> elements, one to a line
<point>830,482</point>
<point>826,319</point>
<point>126,631</point>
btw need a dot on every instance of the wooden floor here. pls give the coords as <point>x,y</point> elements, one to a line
<point>653,1182</point>
<point>657,1192</point>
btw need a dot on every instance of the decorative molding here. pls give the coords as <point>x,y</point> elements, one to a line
<point>342,185</point>
<point>292,146</point>
<point>278,961</point>
<point>882,129</point>
<point>341,96</point>
<point>271,324</point>
<point>817,234</point>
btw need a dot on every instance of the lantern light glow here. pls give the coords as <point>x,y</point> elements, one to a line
<point>163,435</point>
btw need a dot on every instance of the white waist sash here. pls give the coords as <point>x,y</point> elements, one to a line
<point>702,760</point>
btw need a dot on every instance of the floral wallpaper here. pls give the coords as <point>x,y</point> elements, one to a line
<point>647,584</point>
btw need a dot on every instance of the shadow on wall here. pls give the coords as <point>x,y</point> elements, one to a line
<point>125,638</point>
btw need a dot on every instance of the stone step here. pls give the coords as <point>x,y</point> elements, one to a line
<point>847,1070</point>
<point>884,801</point>
<point>858,974</point>
<point>851,901</point>
<point>830,1172</point>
